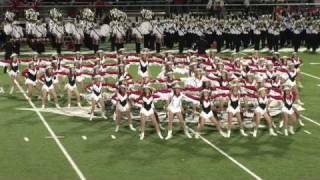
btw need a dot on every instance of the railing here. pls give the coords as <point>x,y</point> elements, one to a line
<point>71,9</point>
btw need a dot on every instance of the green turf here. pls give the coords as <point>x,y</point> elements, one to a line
<point>102,158</point>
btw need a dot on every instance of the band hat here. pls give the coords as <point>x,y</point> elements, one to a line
<point>176,86</point>
<point>269,63</point>
<point>97,76</point>
<point>148,87</point>
<point>205,91</point>
<point>286,88</point>
<point>193,63</point>
<point>290,63</point>
<point>170,73</point>
<point>261,89</point>
<point>13,55</point>
<point>122,49</point>
<point>169,63</point>
<point>122,87</point>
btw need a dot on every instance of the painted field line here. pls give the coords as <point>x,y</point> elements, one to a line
<point>310,120</point>
<point>310,75</point>
<point>228,156</point>
<point>307,132</point>
<point>52,133</point>
<point>314,63</point>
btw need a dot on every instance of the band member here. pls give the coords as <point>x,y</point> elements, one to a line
<point>147,111</point>
<point>288,111</point>
<point>31,78</point>
<point>262,111</point>
<point>175,109</point>
<point>207,114</point>
<point>14,71</point>
<point>48,87</point>
<point>96,96</point>
<point>234,109</point>
<point>71,87</point>
<point>136,33</point>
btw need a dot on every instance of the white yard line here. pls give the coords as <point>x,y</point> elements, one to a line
<point>310,120</point>
<point>52,133</point>
<point>305,117</point>
<point>307,132</point>
<point>310,75</point>
<point>228,156</point>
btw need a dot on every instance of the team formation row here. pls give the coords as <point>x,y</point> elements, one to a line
<point>276,30</point>
<point>210,87</point>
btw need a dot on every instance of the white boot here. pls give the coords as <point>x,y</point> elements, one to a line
<point>255,133</point>
<point>223,134</point>
<point>117,129</point>
<point>79,105</point>
<point>57,106</point>
<point>142,136</point>
<point>243,133</point>
<point>169,136</point>
<point>291,130</point>
<point>300,122</point>
<point>286,132</point>
<point>43,106</point>
<point>91,117</point>
<point>272,133</point>
<point>69,105</point>
<point>274,125</point>
<point>161,127</point>
<point>132,128</point>
<point>1,90</point>
<point>104,116</point>
<point>11,90</point>
<point>160,135</point>
<point>186,132</point>
<point>197,135</point>
<point>281,124</point>
<point>228,133</point>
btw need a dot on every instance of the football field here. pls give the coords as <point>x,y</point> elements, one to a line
<point>37,145</point>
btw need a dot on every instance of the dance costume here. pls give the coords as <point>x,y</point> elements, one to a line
<point>72,82</point>
<point>147,106</point>
<point>96,91</point>
<point>122,102</point>
<point>175,105</point>
<point>31,77</point>
<point>14,69</point>
<point>206,111</point>
<point>233,104</point>
<point>143,69</point>
<point>262,105</point>
<point>288,105</point>
<point>48,83</point>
